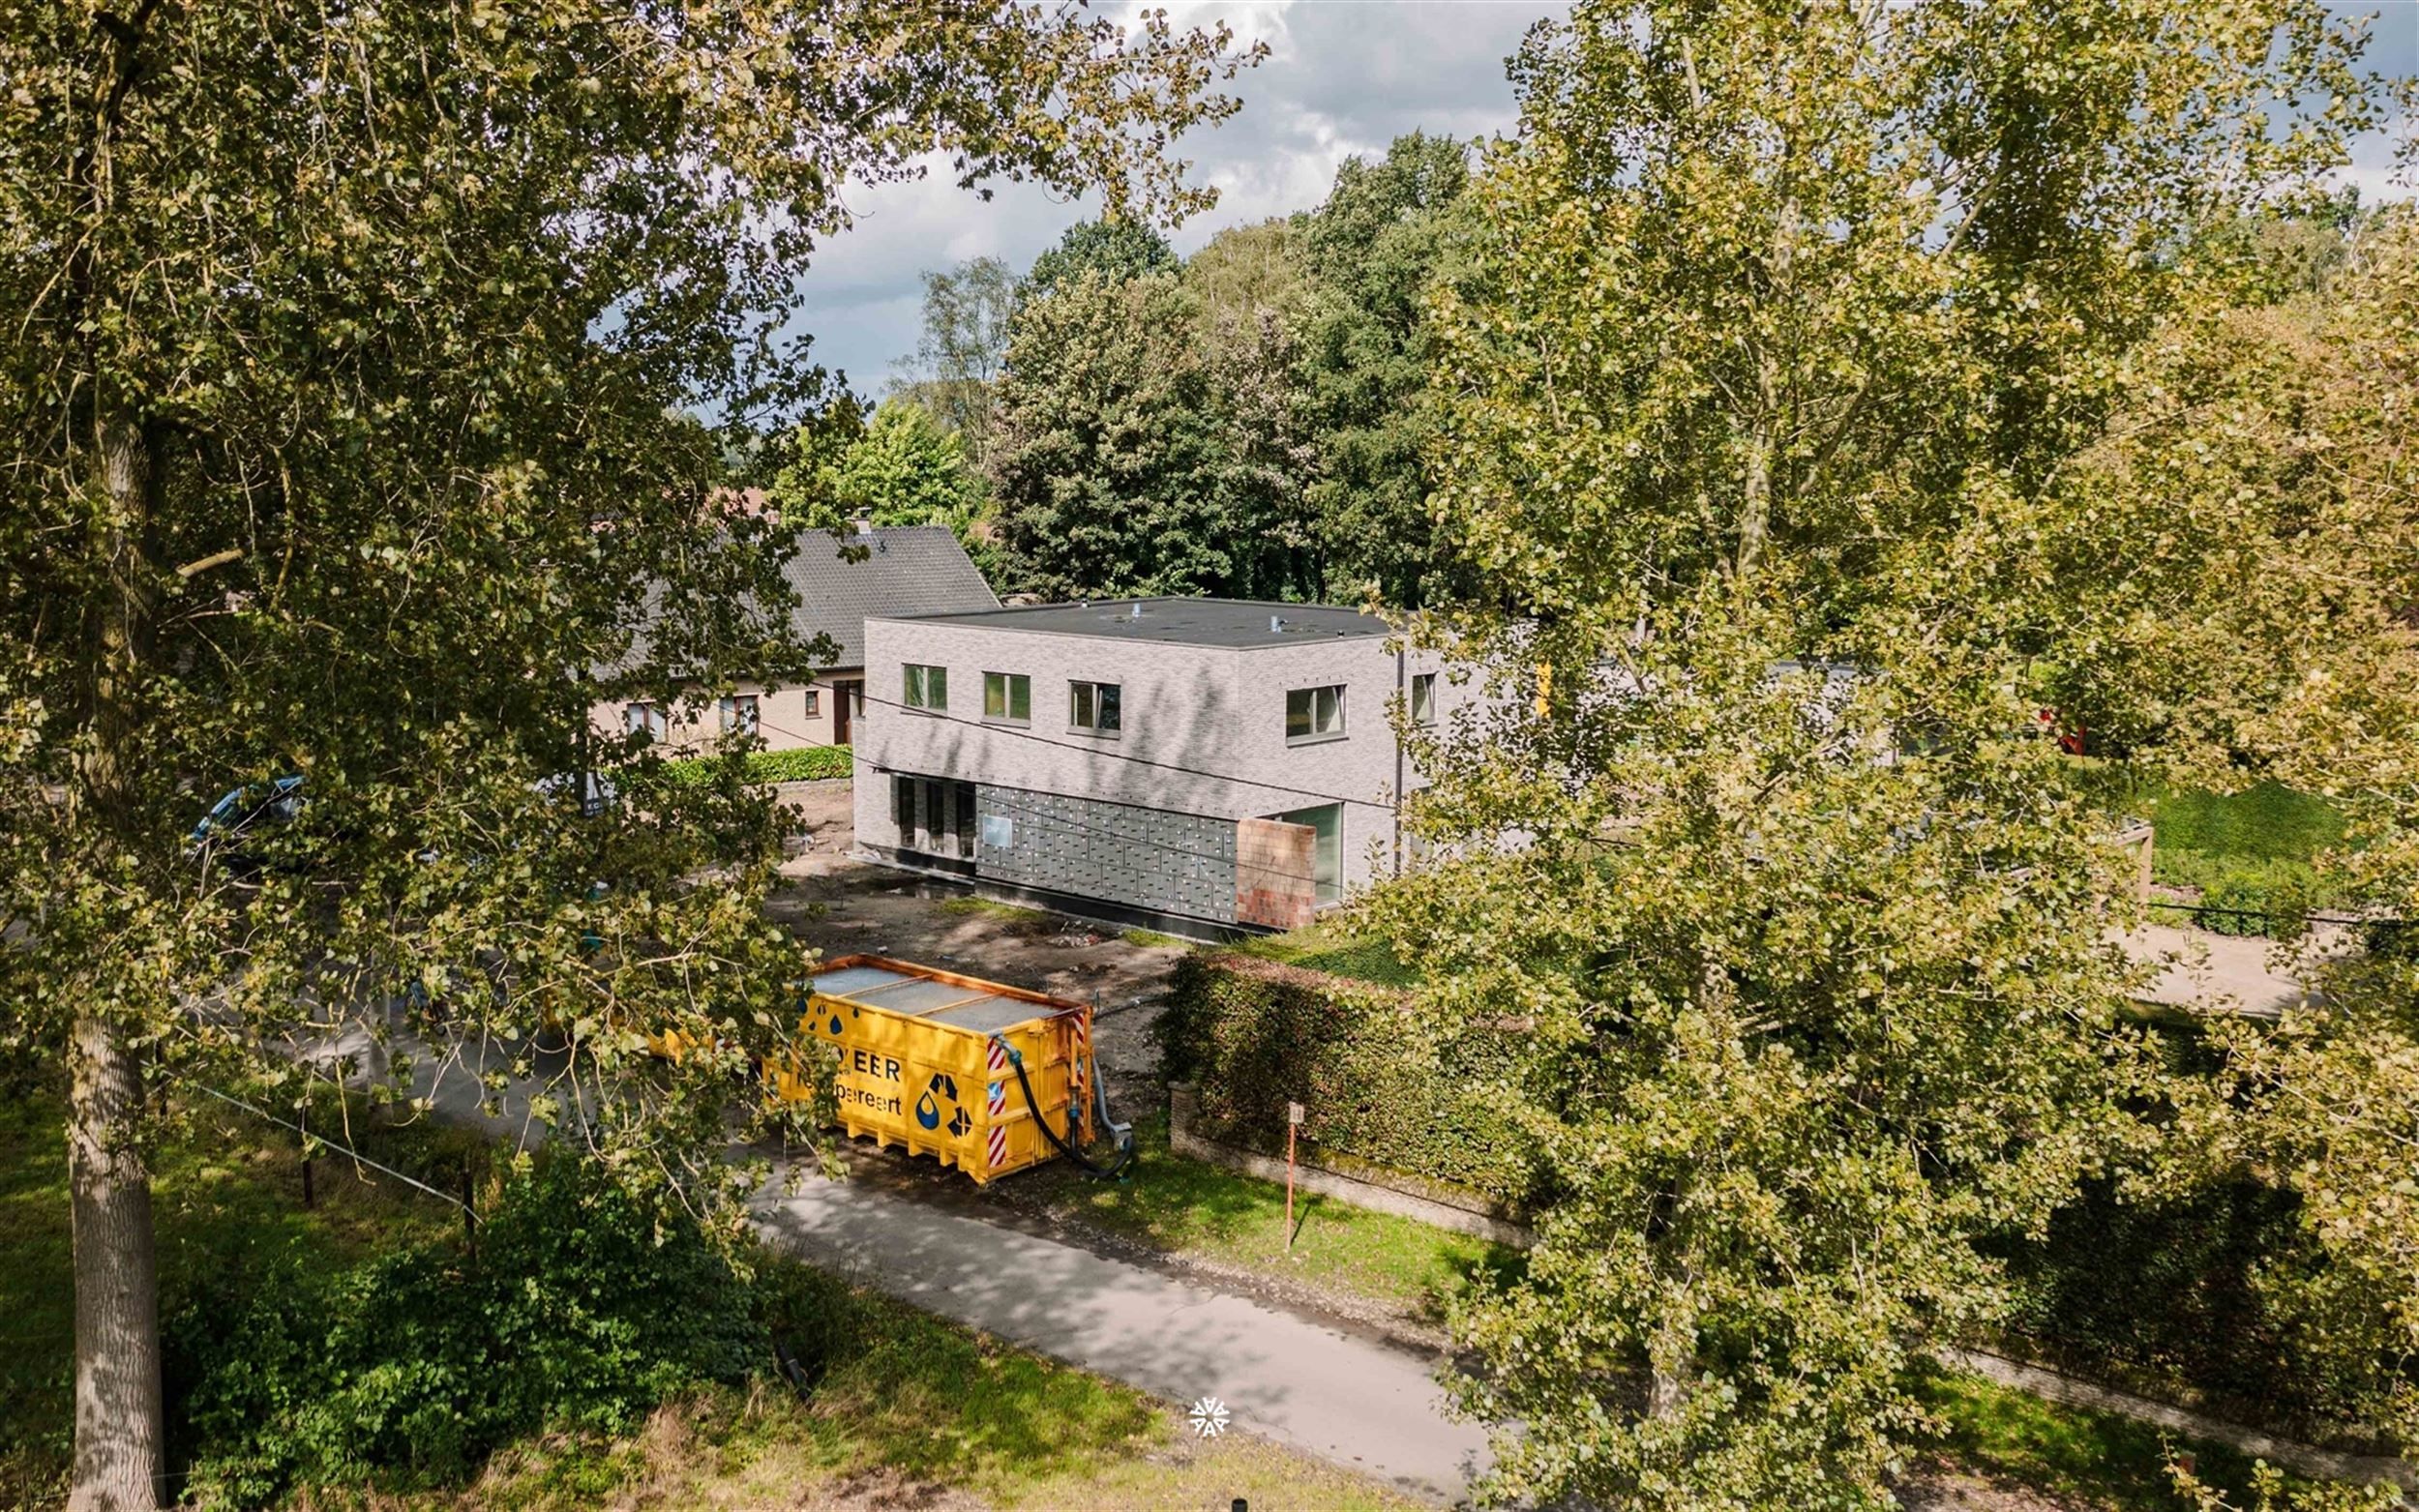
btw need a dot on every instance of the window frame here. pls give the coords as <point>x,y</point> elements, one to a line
<point>645,717</point>
<point>813,702</point>
<point>1424,700</point>
<point>916,693</point>
<point>1008,685</point>
<point>731,707</point>
<point>1314,734</point>
<point>1114,728</point>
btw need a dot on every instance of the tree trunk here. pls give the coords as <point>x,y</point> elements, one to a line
<point>118,1418</point>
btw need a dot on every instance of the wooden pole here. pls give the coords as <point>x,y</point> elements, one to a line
<point>1293,1125</point>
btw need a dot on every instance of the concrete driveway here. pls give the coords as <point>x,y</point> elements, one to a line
<point>842,906</point>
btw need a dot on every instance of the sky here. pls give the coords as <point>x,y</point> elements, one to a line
<point>1343,77</point>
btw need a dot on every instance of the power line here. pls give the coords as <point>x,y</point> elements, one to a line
<point>1065,826</point>
<point>356,1155</point>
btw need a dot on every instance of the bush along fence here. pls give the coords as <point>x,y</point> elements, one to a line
<point>799,764</point>
<point>1380,1097</point>
<point>2170,1300</point>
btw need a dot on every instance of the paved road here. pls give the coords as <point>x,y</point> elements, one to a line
<point>1361,1404</point>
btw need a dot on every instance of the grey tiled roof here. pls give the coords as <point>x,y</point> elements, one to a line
<point>907,570</point>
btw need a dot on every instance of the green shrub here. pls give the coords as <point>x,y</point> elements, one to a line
<point>1254,1034</point>
<point>2244,895</point>
<point>581,1308</point>
<point>2207,1293</point>
<point>799,765</point>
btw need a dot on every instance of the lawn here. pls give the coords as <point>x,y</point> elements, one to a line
<point>914,1408</point>
<point>1183,1207</point>
<point>2266,822</point>
<point>1322,946</point>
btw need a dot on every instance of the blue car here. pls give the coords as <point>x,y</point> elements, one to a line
<point>244,809</point>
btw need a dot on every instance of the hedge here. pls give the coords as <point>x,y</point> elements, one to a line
<point>1254,1034</point>
<point>799,765</point>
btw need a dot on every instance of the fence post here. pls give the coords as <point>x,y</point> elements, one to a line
<point>304,1120</point>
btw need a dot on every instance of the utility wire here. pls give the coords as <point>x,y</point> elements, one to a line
<point>262,1113</point>
<point>1066,825</point>
<point>1121,755</point>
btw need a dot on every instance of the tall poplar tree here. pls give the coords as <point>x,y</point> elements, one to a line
<point>349,351</point>
<point>1779,330</point>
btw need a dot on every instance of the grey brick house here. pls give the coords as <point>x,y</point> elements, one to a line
<point>1185,762</point>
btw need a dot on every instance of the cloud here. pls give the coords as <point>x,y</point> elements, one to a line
<point>1341,78</point>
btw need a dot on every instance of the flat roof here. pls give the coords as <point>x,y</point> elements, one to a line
<point>1237,624</point>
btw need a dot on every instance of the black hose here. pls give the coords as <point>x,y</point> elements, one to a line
<point>1126,1155</point>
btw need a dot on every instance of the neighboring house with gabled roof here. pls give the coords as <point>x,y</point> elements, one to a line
<point>902,570</point>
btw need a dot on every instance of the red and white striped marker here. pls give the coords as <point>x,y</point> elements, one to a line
<point>999,1098</point>
<point>998,1056</point>
<point>999,1146</point>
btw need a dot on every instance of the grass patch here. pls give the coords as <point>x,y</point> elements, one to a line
<point>2266,822</point>
<point>970,907</point>
<point>1184,1206</point>
<point>2247,855</point>
<point>1152,939</point>
<point>2072,1453</point>
<point>1324,947</point>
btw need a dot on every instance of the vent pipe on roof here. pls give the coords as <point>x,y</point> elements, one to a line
<point>1137,611</point>
<point>1276,624</point>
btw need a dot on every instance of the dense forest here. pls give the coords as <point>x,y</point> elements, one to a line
<point>1246,422</point>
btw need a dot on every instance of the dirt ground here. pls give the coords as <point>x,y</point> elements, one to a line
<point>842,906</point>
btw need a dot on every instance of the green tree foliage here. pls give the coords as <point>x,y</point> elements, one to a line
<point>1114,248</point>
<point>1295,393</point>
<point>967,310</point>
<point>345,436</point>
<point>903,468</point>
<point>1105,479</point>
<point>2325,1103</point>
<point>1372,249</point>
<point>1779,328</point>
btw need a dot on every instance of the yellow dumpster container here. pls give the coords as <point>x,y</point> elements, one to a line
<point>925,1062</point>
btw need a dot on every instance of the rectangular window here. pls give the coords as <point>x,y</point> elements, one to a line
<point>927,687</point>
<point>814,703</point>
<point>1327,850</point>
<point>1315,713</point>
<point>1008,695</point>
<point>1096,708</point>
<point>644,718</point>
<point>738,713</point>
<point>1423,699</point>
<point>903,808</point>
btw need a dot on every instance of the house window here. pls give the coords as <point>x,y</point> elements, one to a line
<point>1327,849</point>
<point>814,703</point>
<point>738,713</point>
<point>1008,695</point>
<point>927,687</point>
<point>1094,708</point>
<point>1423,699</point>
<point>644,718</point>
<point>1315,713</point>
<point>935,815</point>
